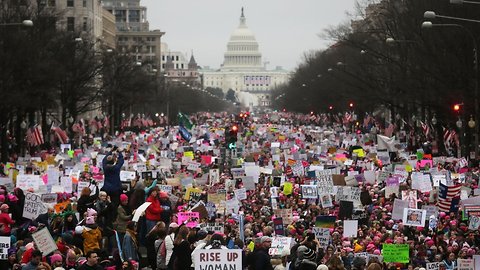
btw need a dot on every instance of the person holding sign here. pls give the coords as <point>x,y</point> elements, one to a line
<point>112,165</point>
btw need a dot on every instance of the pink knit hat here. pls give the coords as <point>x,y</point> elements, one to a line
<point>56,258</point>
<point>90,220</point>
<point>91,212</point>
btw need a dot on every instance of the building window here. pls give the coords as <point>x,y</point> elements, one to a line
<point>163,66</point>
<point>71,24</point>
<point>182,66</point>
<point>84,3</point>
<point>85,23</point>
<point>176,57</point>
<point>176,66</point>
<point>51,3</point>
<point>70,3</point>
<point>163,57</point>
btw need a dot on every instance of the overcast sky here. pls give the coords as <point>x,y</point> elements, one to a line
<point>284,29</point>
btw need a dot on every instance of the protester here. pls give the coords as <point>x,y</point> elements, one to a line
<point>92,261</point>
<point>182,252</point>
<point>112,164</point>
<point>130,242</point>
<point>154,210</point>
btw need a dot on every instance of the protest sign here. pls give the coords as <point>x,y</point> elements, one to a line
<point>326,200</point>
<point>4,247</point>
<point>325,182</point>
<point>205,259</point>
<point>466,264</point>
<point>396,253</point>
<point>473,222</point>
<point>140,211</point>
<point>127,175</point>
<point>433,266</point>
<point>190,219</point>
<point>166,188</point>
<point>33,206</point>
<point>49,198</point>
<point>279,243</point>
<point>414,217</point>
<point>398,206</point>
<point>44,241</point>
<point>322,235</point>
<point>350,228</point>
<point>309,192</point>
<point>278,226</point>
<point>285,214</point>
<point>28,181</point>
<point>241,194</point>
<point>217,227</point>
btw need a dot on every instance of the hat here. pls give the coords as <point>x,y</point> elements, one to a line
<point>4,207</point>
<point>322,267</point>
<point>201,234</point>
<point>2,198</point>
<point>91,212</point>
<point>309,254</point>
<point>90,220</point>
<point>123,197</point>
<point>359,262</point>
<point>12,198</point>
<point>173,225</point>
<point>29,246</point>
<point>265,239</point>
<point>56,258</point>
<point>163,195</point>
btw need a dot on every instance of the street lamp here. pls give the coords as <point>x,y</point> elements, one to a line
<point>27,23</point>
<point>391,40</point>
<point>432,15</point>
<point>428,25</point>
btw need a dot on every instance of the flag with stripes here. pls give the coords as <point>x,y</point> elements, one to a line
<point>447,205</point>
<point>35,136</point>
<point>60,134</point>
<point>347,118</point>
<point>449,192</point>
<point>449,137</point>
<point>426,129</point>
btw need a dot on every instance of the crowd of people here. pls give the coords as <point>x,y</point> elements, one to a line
<point>288,195</point>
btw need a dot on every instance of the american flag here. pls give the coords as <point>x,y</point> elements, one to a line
<point>347,118</point>
<point>35,136</point>
<point>449,136</point>
<point>426,129</point>
<point>60,134</point>
<point>448,206</point>
<point>449,192</point>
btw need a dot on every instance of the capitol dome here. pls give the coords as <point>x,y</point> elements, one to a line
<point>242,49</point>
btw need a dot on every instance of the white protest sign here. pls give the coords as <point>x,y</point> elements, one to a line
<point>473,222</point>
<point>193,166</point>
<point>350,228</point>
<point>279,243</point>
<point>309,192</point>
<point>49,198</point>
<point>33,206</point>
<point>127,175</point>
<point>433,266</point>
<point>166,188</point>
<point>241,194</point>
<point>140,211</point>
<point>4,246</point>
<point>325,182</point>
<point>466,264</point>
<point>322,235</point>
<point>205,259</point>
<point>66,183</point>
<point>44,241</point>
<point>28,181</point>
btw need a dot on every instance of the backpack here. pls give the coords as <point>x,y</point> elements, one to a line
<point>162,256</point>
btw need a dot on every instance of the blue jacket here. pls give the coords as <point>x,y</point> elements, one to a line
<point>112,181</point>
<point>129,248</point>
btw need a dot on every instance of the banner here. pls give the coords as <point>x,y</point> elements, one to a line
<point>33,206</point>
<point>279,243</point>
<point>205,259</point>
<point>189,218</point>
<point>396,253</point>
<point>44,241</point>
<point>4,246</point>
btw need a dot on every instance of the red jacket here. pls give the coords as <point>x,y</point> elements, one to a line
<point>6,221</point>
<point>153,211</point>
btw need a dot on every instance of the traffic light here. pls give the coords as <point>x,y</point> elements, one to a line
<point>231,137</point>
<point>456,107</point>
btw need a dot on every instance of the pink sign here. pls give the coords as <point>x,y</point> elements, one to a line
<point>189,218</point>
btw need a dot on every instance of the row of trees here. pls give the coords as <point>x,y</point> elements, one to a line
<point>421,72</point>
<point>49,74</point>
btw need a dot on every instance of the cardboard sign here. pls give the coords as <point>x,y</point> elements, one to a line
<point>414,217</point>
<point>213,227</point>
<point>140,211</point>
<point>33,206</point>
<point>396,253</point>
<point>241,194</point>
<point>127,175</point>
<point>4,246</point>
<point>466,264</point>
<point>433,266</point>
<point>218,259</point>
<point>44,241</point>
<point>167,188</point>
<point>28,181</point>
<point>49,198</point>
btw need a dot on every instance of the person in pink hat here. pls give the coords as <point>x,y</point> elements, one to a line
<point>5,220</point>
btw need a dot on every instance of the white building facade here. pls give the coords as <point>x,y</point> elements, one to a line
<point>243,70</point>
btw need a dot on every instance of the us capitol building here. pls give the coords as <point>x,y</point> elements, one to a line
<point>243,71</point>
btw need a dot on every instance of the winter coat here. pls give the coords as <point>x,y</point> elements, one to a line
<point>123,216</point>
<point>154,210</point>
<point>91,239</point>
<point>129,249</point>
<point>112,181</point>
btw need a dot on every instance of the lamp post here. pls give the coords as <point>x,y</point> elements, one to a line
<point>428,25</point>
<point>167,89</point>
